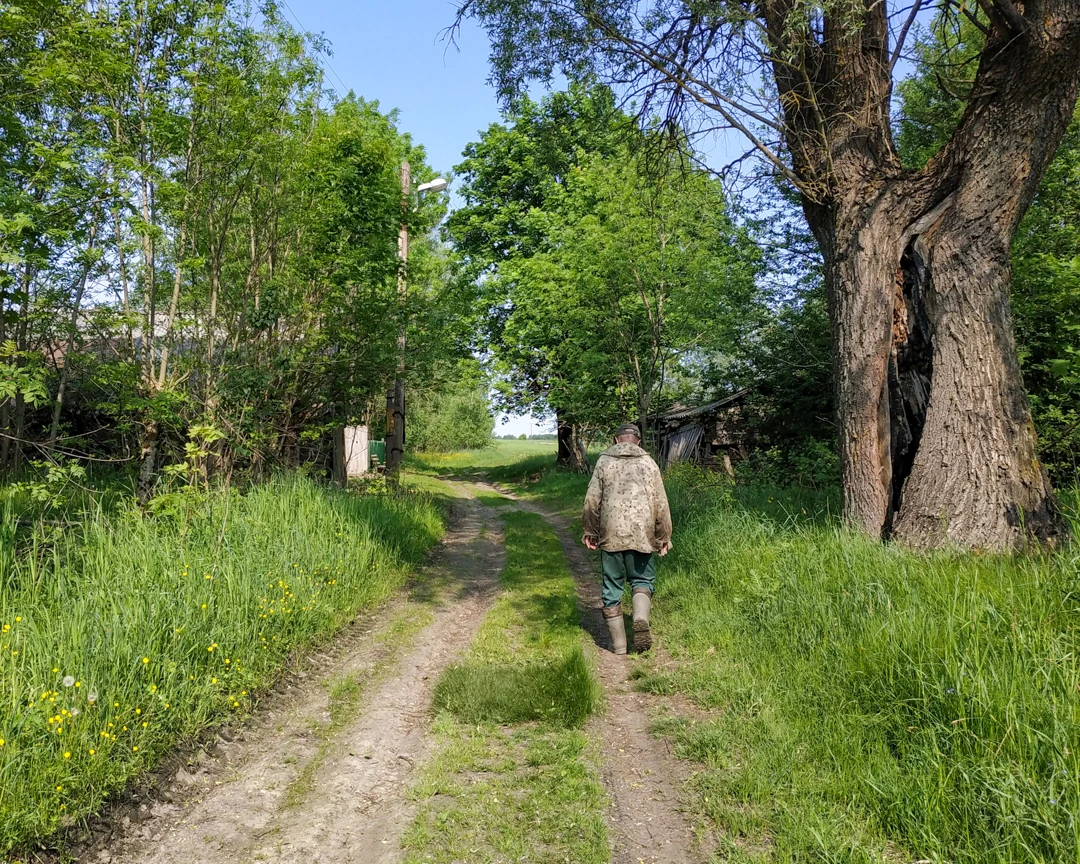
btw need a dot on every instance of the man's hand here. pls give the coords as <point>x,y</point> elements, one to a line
<point>664,549</point>
<point>589,542</point>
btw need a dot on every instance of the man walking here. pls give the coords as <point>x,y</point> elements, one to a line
<point>626,516</point>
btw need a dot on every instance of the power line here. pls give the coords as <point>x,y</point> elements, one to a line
<point>322,57</point>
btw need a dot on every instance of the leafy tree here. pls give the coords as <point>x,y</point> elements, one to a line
<point>512,177</point>
<point>197,244</point>
<point>608,282</point>
<point>936,443</point>
<point>453,414</point>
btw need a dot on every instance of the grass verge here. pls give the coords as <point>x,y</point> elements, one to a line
<point>870,704</point>
<point>514,778</point>
<point>129,632</point>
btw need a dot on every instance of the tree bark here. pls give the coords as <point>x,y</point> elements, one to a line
<point>571,449</point>
<point>69,348</point>
<point>937,444</point>
<point>148,450</point>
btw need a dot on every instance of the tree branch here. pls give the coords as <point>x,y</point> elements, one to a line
<point>902,36</point>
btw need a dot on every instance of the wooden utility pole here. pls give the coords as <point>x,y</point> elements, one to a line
<point>395,399</point>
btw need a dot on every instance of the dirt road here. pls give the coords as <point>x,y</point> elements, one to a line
<point>322,772</point>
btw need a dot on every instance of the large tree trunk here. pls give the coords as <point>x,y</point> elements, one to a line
<point>936,440</point>
<point>571,449</point>
<point>937,444</point>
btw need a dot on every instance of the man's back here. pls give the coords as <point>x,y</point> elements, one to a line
<point>625,507</point>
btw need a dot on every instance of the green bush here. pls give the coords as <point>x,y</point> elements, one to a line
<point>459,418</point>
<point>127,632</point>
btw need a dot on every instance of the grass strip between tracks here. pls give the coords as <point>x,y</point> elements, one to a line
<point>514,777</point>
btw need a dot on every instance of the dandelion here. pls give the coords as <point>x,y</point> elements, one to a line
<point>18,618</point>
<point>67,755</point>
<point>138,710</point>
<point>91,697</point>
<point>75,712</point>
<point>92,751</point>
<point>145,660</point>
<point>134,749</point>
<point>1,742</point>
<point>68,680</point>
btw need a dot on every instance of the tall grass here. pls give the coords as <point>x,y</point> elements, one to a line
<point>127,632</point>
<point>864,703</point>
<point>872,700</point>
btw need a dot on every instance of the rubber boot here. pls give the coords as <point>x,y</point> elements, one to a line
<point>642,607</point>
<point>614,620</point>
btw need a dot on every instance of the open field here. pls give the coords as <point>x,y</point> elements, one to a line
<point>499,453</point>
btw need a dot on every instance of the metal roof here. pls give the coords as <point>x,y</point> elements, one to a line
<point>678,414</point>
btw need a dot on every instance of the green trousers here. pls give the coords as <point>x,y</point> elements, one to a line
<point>637,568</point>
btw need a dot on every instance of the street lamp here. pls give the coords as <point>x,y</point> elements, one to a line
<point>439,184</point>
<point>395,399</point>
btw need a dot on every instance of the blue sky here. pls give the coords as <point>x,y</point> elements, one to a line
<point>395,53</point>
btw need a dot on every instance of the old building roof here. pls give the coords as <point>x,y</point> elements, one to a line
<point>679,413</point>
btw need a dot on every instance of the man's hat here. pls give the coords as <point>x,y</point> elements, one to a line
<point>628,429</point>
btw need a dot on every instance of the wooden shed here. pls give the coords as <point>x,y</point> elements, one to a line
<point>716,433</point>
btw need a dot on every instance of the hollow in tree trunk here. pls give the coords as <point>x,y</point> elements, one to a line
<point>571,449</point>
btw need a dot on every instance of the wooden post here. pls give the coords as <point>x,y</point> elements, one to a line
<point>395,399</point>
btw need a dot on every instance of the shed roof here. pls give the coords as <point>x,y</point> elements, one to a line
<point>680,414</point>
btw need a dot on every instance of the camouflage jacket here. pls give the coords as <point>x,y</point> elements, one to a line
<point>626,506</point>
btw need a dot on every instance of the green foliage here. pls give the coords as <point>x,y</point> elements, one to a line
<point>50,483</point>
<point>604,271</point>
<point>869,701</point>
<point>126,632</point>
<point>854,701</point>
<point>201,238</point>
<point>456,416</point>
<point>22,375</point>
